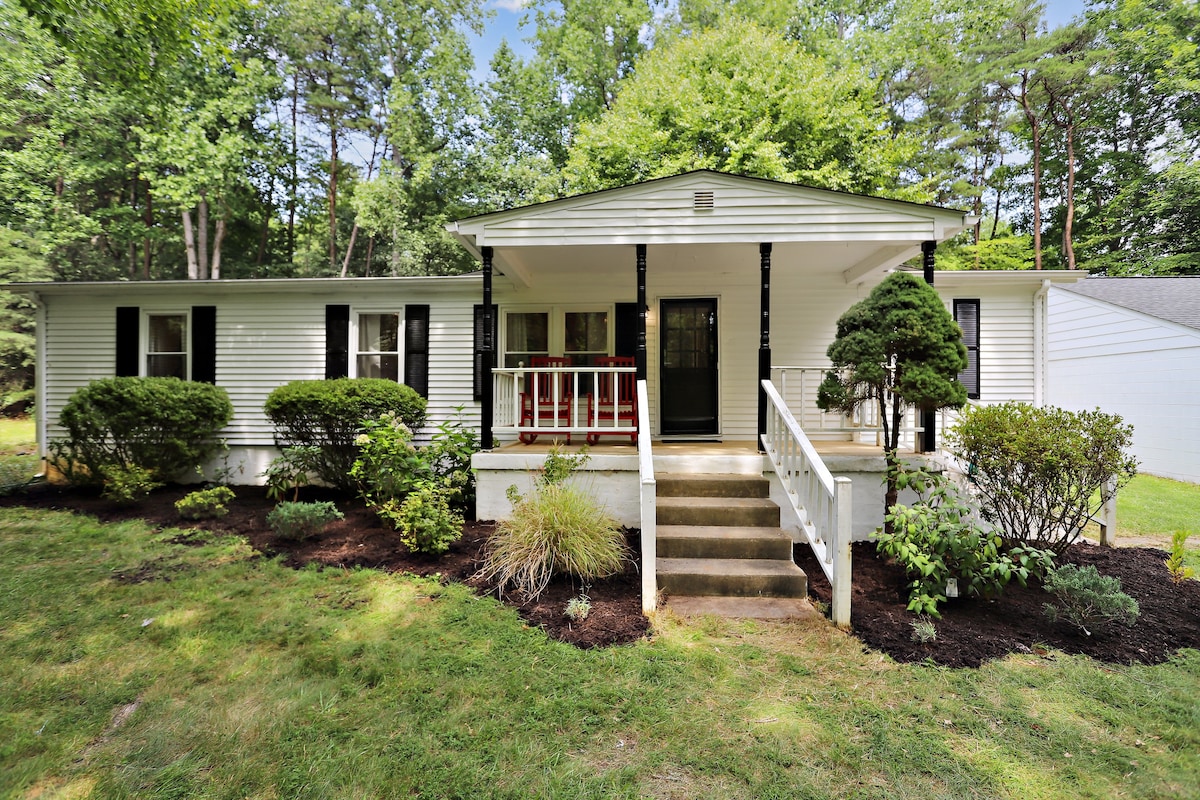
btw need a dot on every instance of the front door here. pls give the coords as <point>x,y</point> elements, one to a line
<point>688,366</point>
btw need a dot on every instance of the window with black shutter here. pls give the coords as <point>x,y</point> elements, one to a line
<point>337,341</point>
<point>478,367</point>
<point>966,314</point>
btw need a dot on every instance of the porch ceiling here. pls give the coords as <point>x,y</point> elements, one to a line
<point>849,262</point>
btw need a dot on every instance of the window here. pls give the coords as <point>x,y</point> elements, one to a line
<point>527,334</point>
<point>166,346</point>
<point>582,335</point>
<point>378,354</point>
<point>586,336</point>
<point>966,314</point>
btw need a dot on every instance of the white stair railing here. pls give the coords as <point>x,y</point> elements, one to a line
<point>649,504</point>
<point>821,502</point>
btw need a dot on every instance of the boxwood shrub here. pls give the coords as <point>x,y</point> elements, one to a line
<point>329,414</point>
<point>158,426</point>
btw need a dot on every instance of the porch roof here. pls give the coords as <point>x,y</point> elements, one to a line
<point>687,214</point>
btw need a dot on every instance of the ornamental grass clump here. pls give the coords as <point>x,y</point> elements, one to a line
<point>556,529</point>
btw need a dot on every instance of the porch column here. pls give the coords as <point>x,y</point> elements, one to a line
<point>928,418</point>
<point>640,352</point>
<point>764,336</point>
<point>487,401</point>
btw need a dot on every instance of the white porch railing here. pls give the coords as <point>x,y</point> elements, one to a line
<point>649,504</point>
<point>797,386</point>
<point>555,401</point>
<point>822,502</point>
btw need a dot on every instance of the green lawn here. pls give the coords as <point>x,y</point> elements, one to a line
<point>1151,506</point>
<point>139,664</point>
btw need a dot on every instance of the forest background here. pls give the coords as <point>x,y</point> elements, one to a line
<point>172,139</point>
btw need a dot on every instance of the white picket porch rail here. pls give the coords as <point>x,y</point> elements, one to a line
<point>566,413</point>
<point>649,504</point>
<point>821,502</point>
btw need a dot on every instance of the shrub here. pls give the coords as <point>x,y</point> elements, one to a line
<point>290,470</point>
<point>205,504</point>
<point>578,608</point>
<point>938,540</point>
<point>556,529</point>
<point>1089,600</point>
<point>126,486</point>
<point>1041,472</point>
<point>389,465</point>
<point>300,521</point>
<point>1180,572</point>
<point>424,520</point>
<point>329,414</point>
<point>159,426</point>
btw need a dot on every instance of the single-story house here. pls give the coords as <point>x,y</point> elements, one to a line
<point>1131,346</point>
<point>719,294</point>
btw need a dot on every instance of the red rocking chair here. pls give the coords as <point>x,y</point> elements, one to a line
<point>547,396</point>
<point>614,401</point>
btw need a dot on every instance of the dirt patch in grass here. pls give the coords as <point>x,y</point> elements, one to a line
<point>973,630</point>
<point>361,540</point>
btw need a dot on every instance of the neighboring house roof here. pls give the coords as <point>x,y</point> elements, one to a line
<point>1173,299</point>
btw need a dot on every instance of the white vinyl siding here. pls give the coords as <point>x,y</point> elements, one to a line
<point>263,341</point>
<point>1144,369</point>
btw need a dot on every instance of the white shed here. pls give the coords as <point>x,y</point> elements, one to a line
<point>1131,346</point>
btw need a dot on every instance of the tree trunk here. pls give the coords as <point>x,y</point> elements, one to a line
<point>295,177</point>
<point>202,237</point>
<point>333,154</point>
<point>189,245</point>
<point>215,273</point>
<point>148,220</point>
<point>1068,224</point>
<point>264,236</point>
<point>999,194</point>
<point>370,255</point>
<point>349,250</point>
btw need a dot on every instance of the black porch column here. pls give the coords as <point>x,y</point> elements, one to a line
<point>764,336</point>
<point>928,418</point>
<point>487,402</point>
<point>640,352</point>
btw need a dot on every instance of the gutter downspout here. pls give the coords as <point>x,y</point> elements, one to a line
<point>39,375</point>
<point>1041,321</point>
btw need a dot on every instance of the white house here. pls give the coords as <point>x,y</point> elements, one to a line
<point>1131,346</point>
<point>722,292</point>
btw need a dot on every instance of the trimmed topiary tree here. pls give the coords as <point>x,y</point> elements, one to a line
<point>329,414</point>
<point>897,349</point>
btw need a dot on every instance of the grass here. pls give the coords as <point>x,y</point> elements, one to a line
<point>142,663</point>
<point>1152,506</point>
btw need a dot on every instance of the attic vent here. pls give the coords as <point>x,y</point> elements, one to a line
<point>702,200</point>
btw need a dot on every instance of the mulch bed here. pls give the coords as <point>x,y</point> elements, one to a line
<point>974,630</point>
<point>361,540</point>
<point>970,632</point>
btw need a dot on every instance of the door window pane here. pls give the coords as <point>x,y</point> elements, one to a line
<point>166,351</point>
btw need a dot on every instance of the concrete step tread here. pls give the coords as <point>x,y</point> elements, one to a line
<point>732,567</point>
<point>741,532</point>
<point>715,502</point>
<point>709,484</point>
<point>743,607</point>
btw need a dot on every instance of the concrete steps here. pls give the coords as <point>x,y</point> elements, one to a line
<point>719,536</point>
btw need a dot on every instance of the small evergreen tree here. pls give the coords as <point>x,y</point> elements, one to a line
<point>898,348</point>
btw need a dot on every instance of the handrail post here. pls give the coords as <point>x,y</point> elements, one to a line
<point>648,496</point>
<point>840,605</point>
<point>1108,513</point>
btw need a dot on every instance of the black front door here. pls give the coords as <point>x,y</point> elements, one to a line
<point>688,366</point>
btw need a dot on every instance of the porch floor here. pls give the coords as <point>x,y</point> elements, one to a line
<point>689,448</point>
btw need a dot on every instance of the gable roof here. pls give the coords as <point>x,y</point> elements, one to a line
<point>1173,299</point>
<point>704,207</point>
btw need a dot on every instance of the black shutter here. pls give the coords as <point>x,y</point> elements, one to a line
<point>416,348</point>
<point>478,366</point>
<point>966,314</point>
<point>337,341</point>
<point>204,344</point>
<point>625,330</point>
<point>129,344</point>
